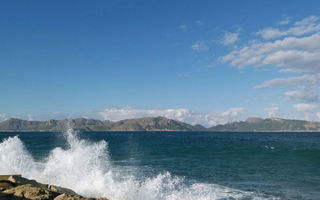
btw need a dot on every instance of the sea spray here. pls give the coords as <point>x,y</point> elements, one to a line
<point>15,159</point>
<point>86,168</point>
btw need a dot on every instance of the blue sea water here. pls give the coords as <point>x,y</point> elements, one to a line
<point>169,165</point>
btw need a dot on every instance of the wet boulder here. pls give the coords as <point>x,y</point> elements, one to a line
<point>16,187</point>
<point>29,191</point>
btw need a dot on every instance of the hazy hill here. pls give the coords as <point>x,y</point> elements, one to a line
<point>159,124</point>
<point>269,124</point>
<point>141,124</point>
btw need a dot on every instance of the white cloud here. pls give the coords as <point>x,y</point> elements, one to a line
<point>30,117</point>
<point>285,21</point>
<point>304,94</point>
<point>302,27</point>
<point>304,107</point>
<point>290,54</point>
<point>230,38</point>
<point>181,114</point>
<point>116,114</point>
<point>272,110</point>
<point>297,50</point>
<point>318,116</point>
<point>200,46</point>
<point>269,33</point>
<point>307,111</point>
<point>291,81</point>
<point>232,113</point>
<point>3,116</point>
<point>183,28</point>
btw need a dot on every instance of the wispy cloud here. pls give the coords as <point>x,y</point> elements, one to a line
<point>183,28</point>
<point>291,81</point>
<point>297,50</point>
<point>229,38</point>
<point>184,75</point>
<point>286,20</point>
<point>302,27</point>
<point>200,22</point>
<point>200,46</point>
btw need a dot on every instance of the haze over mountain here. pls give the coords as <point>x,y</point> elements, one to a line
<point>141,124</point>
<point>159,124</point>
<point>268,125</point>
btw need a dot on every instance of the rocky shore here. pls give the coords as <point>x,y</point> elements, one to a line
<point>16,187</point>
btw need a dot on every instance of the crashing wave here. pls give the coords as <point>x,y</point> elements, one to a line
<point>86,168</point>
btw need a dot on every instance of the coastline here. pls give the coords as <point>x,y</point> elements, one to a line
<point>159,131</point>
<point>158,124</point>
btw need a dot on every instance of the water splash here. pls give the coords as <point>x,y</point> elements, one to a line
<point>85,167</point>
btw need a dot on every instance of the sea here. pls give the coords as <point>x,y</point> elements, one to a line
<point>169,165</point>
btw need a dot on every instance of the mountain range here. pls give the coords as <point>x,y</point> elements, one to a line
<point>159,124</point>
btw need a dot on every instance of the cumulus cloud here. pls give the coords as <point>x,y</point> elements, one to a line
<point>181,114</point>
<point>304,94</point>
<point>290,54</point>
<point>307,111</point>
<point>200,46</point>
<point>272,110</point>
<point>230,38</point>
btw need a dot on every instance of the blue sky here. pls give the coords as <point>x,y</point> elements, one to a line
<point>205,62</point>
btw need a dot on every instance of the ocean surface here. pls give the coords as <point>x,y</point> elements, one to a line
<point>169,165</point>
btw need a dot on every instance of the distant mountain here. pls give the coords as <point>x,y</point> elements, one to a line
<point>269,124</point>
<point>159,124</point>
<point>141,124</point>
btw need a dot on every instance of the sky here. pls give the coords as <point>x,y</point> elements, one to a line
<point>207,62</point>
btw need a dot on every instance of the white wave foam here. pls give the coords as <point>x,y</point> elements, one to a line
<point>85,167</point>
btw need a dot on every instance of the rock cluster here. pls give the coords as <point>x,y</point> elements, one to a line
<point>16,187</point>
